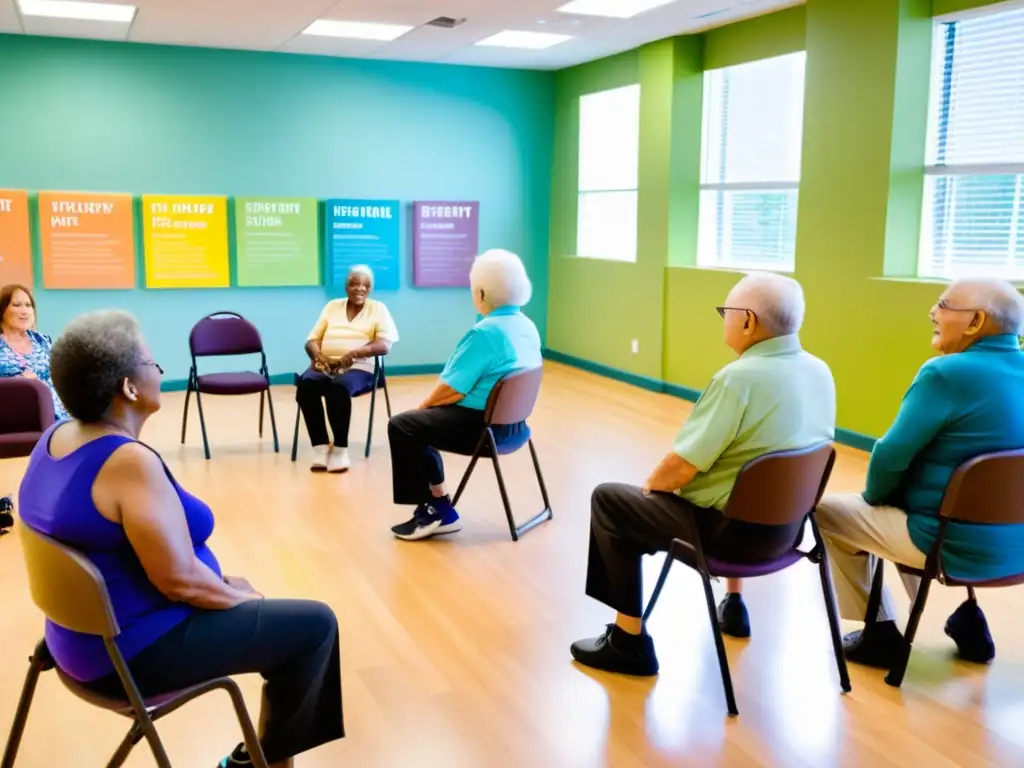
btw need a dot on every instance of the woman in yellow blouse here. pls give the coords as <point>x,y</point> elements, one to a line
<point>341,347</point>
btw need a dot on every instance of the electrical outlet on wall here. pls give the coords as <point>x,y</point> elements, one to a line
<point>635,346</point>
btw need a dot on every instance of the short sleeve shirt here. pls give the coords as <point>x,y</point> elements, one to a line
<point>775,397</point>
<point>504,341</point>
<point>338,335</point>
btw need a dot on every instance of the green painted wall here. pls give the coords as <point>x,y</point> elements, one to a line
<point>865,115</point>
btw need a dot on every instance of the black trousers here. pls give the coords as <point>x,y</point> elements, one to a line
<point>336,393</point>
<point>418,437</point>
<point>292,643</point>
<point>625,525</point>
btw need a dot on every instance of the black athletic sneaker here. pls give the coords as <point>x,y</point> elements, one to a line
<point>969,630</point>
<point>6,513</point>
<point>236,758</point>
<point>879,646</point>
<point>733,618</point>
<point>618,651</point>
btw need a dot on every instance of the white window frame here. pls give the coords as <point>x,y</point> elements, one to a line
<point>943,50</point>
<point>619,241</point>
<point>706,258</point>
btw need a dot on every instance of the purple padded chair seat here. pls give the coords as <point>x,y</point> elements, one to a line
<point>119,705</point>
<point>17,444</point>
<point>1006,581</point>
<point>240,383</point>
<point>750,570</point>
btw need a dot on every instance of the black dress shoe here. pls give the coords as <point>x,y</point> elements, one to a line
<point>969,630</point>
<point>733,618</point>
<point>881,645</point>
<point>618,651</point>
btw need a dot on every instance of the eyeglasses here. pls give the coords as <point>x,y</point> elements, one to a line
<point>943,304</point>
<point>155,364</point>
<point>723,310</point>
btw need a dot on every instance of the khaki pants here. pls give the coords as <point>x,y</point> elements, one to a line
<point>856,534</point>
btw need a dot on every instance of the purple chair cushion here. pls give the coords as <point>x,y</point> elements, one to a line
<point>240,383</point>
<point>750,570</point>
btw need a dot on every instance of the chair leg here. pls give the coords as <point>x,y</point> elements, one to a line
<point>273,421</point>
<point>540,479</point>
<point>387,398</point>
<point>184,415</point>
<point>723,661</point>
<point>469,469</point>
<point>542,516</point>
<point>971,596</point>
<point>875,596</point>
<point>28,690</point>
<point>133,737</point>
<point>261,415</point>
<point>669,558</point>
<point>895,676</point>
<point>202,425</point>
<point>295,437</point>
<point>833,622</point>
<point>369,426</point>
<point>249,735</point>
<point>501,486</point>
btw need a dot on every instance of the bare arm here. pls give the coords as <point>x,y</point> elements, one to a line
<point>440,395</point>
<point>134,490</point>
<point>671,474</point>
<point>376,348</point>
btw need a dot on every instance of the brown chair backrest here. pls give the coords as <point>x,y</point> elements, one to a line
<point>27,405</point>
<point>66,586</point>
<point>513,397</point>
<point>987,489</point>
<point>781,488</point>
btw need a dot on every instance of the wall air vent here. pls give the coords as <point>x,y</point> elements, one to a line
<point>445,22</point>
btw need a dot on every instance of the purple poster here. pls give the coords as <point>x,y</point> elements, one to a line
<point>444,243</point>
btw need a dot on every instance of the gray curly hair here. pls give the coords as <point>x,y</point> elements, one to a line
<point>91,360</point>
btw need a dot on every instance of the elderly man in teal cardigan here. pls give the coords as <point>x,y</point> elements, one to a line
<point>966,402</point>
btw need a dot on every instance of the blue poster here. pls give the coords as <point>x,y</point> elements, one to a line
<point>363,232</point>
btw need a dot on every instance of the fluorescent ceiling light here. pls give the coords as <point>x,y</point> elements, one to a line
<point>358,30</point>
<point>75,9</point>
<point>616,9</point>
<point>535,40</point>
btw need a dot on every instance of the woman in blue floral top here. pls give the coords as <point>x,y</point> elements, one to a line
<point>23,350</point>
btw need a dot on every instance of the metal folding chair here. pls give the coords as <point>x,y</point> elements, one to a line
<point>987,490</point>
<point>511,401</point>
<point>225,334</point>
<point>71,592</point>
<point>379,382</point>
<point>780,488</point>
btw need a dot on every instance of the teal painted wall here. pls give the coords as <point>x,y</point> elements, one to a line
<point>87,116</point>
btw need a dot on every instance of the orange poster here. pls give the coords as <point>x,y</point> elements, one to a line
<point>87,239</point>
<point>15,242</point>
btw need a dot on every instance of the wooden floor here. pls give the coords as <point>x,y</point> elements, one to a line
<point>455,653</point>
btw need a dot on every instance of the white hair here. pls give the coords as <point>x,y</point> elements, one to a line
<point>501,277</point>
<point>360,269</point>
<point>777,300</point>
<point>998,298</point>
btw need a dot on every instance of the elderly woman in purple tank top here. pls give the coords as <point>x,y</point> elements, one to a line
<point>94,486</point>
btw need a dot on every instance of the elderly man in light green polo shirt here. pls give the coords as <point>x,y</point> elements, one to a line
<point>775,397</point>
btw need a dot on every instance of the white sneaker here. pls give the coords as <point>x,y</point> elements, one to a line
<point>338,461</point>
<point>320,454</point>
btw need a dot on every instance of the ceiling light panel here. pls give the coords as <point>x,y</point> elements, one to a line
<point>616,9</point>
<point>529,40</point>
<point>75,9</point>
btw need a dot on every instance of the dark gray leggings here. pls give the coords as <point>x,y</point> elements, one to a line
<point>293,644</point>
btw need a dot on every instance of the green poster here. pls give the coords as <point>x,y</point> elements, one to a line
<point>277,241</point>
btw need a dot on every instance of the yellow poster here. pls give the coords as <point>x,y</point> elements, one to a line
<point>185,239</point>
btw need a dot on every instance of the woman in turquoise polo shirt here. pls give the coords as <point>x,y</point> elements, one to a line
<point>452,417</point>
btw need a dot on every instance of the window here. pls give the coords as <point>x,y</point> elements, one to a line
<point>750,174</point>
<point>973,222</point>
<point>608,174</point>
